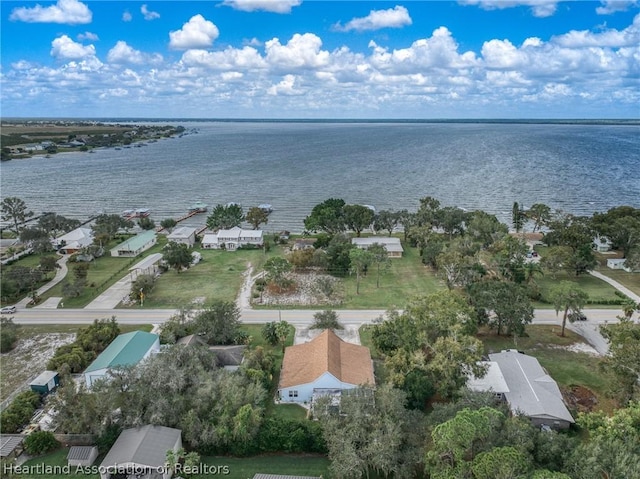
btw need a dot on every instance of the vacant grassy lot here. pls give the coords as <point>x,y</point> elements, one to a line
<point>406,278</point>
<point>630,280</point>
<point>36,344</point>
<point>239,468</point>
<point>597,289</point>
<point>218,276</point>
<point>568,368</point>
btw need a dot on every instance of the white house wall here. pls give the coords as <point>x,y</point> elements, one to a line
<point>305,391</point>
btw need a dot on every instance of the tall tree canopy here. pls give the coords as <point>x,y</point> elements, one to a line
<point>225,216</point>
<point>327,216</point>
<point>357,217</point>
<point>15,210</point>
<point>257,216</point>
<point>570,299</point>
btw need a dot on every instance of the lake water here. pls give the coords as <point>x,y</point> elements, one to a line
<point>293,166</point>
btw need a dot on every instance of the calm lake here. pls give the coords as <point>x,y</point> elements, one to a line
<point>293,166</point>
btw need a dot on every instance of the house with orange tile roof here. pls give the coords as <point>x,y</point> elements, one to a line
<point>325,363</point>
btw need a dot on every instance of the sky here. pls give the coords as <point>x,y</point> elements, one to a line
<point>320,59</point>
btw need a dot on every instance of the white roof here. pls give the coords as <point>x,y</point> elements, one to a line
<point>210,238</point>
<point>182,232</point>
<point>492,381</point>
<point>78,238</point>
<point>147,262</point>
<point>391,244</point>
<point>237,233</point>
<point>616,261</point>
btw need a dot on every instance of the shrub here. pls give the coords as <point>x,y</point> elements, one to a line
<point>19,412</point>
<point>40,442</point>
<point>289,435</point>
<point>8,334</point>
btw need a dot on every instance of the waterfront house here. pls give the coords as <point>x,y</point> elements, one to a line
<point>232,239</point>
<point>601,245</point>
<point>392,245</point>
<point>326,363</point>
<point>126,350</point>
<point>183,234</point>
<point>73,241</point>
<point>135,245</point>
<point>521,381</point>
<point>141,452</point>
<point>619,263</point>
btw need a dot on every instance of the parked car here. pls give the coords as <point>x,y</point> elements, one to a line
<point>8,310</point>
<point>578,317</point>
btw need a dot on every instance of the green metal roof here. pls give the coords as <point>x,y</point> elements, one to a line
<point>137,242</point>
<point>125,350</point>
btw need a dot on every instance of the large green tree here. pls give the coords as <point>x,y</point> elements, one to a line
<point>386,220</point>
<point>507,305</point>
<point>540,214</point>
<point>327,216</point>
<point>218,323</point>
<point>518,217</point>
<point>621,225</point>
<point>380,259</point>
<point>106,226</point>
<point>55,224</point>
<point>276,269</point>
<point>15,210</point>
<point>225,216</point>
<point>257,216</point>
<point>357,217</point>
<point>371,433</point>
<point>623,358</point>
<point>177,255</point>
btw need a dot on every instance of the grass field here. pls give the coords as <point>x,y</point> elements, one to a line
<point>597,289</point>
<point>218,276</point>
<point>630,280</point>
<point>238,468</point>
<point>103,272</point>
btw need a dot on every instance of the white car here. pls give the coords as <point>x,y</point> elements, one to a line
<point>8,310</point>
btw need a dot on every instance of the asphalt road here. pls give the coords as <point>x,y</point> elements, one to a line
<point>298,317</point>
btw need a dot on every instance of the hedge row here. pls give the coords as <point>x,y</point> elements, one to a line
<point>19,413</point>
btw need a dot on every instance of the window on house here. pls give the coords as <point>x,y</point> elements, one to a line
<point>293,394</point>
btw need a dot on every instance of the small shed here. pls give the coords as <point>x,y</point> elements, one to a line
<point>45,382</point>
<point>82,455</point>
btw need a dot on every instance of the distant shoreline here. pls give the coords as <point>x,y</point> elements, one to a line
<point>524,121</point>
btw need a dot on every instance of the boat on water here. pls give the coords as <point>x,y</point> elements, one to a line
<point>138,213</point>
<point>198,207</point>
<point>266,207</point>
<point>233,203</point>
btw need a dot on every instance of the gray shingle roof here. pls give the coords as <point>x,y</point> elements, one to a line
<point>532,391</point>
<point>147,446</point>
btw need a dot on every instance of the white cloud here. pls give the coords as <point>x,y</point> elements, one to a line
<point>540,8</point>
<point>301,51</point>
<point>609,7</point>
<point>148,14</point>
<point>630,36</point>
<point>274,6</point>
<point>196,33</point>
<point>88,36</point>
<point>66,49</point>
<point>396,17</point>
<point>288,86</point>
<point>126,16</point>
<point>246,58</point>
<point>122,53</point>
<point>71,12</point>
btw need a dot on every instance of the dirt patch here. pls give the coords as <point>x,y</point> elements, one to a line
<point>28,359</point>
<point>579,398</point>
<point>576,348</point>
<point>310,289</point>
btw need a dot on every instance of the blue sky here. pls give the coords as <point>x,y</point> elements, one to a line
<point>320,59</point>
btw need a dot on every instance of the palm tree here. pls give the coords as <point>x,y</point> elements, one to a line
<point>531,269</point>
<point>568,297</point>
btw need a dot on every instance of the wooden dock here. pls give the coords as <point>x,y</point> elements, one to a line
<point>182,218</point>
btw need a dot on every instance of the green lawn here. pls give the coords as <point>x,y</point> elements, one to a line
<point>406,278</point>
<point>630,280</point>
<point>103,273</point>
<point>289,411</point>
<point>378,359</point>
<point>568,368</point>
<point>597,289</point>
<point>238,468</point>
<point>218,276</point>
